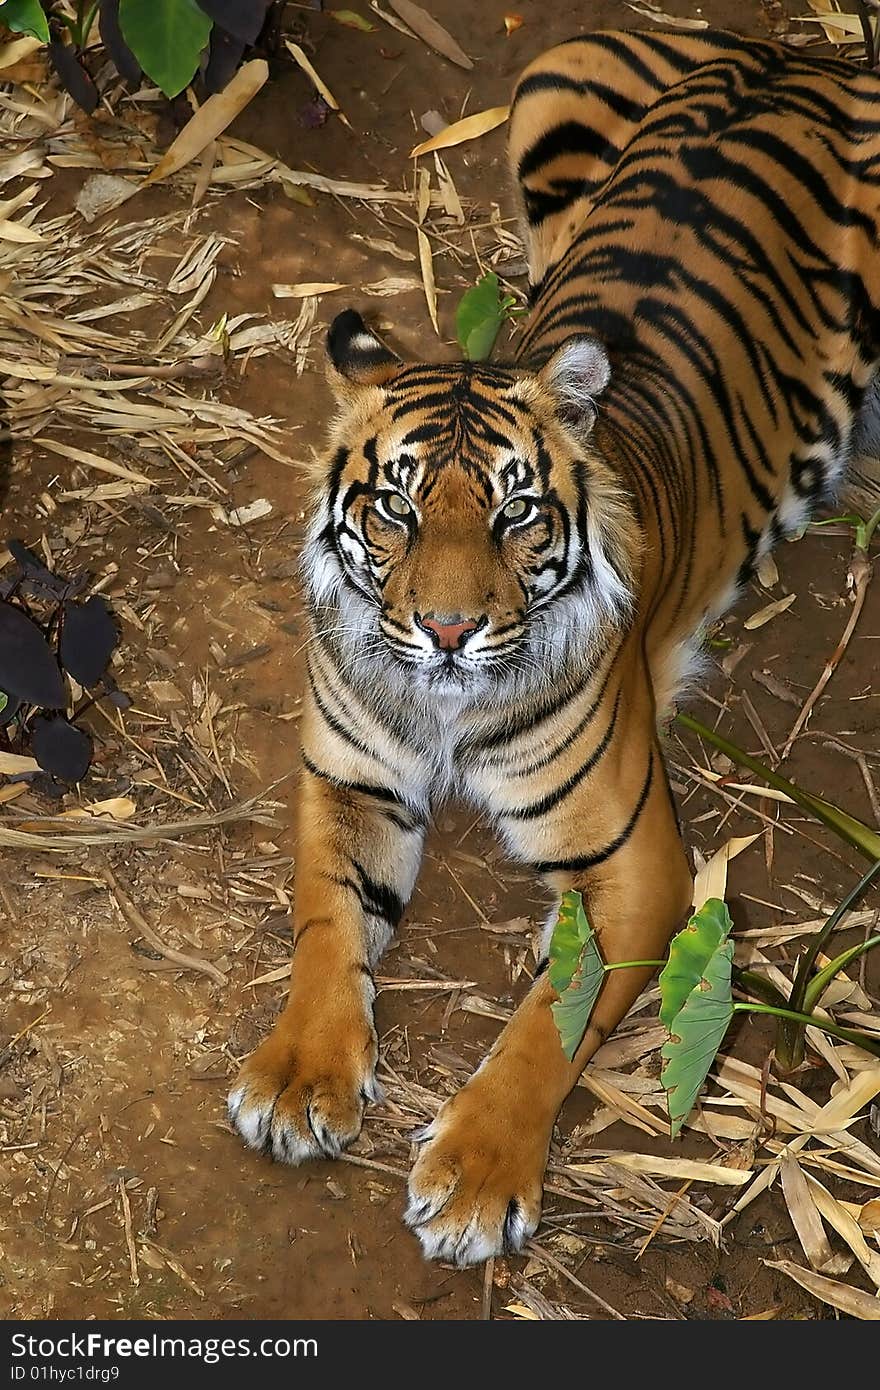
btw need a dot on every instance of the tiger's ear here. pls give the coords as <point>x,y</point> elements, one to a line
<point>356,358</point>
<point>577,374</point>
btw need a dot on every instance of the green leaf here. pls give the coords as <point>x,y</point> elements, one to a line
<point>699,1025</point>
<point>822,979</point>
<point>25,17</point>
<point>479,316</point>
<point>860,836</point>
<point>4,700</point>
<point>572,929</point>
<point>352,20</point>
<point>576,972</point>
<point>790,1039</point>
<point>166,37</point>
<point>689,954</point>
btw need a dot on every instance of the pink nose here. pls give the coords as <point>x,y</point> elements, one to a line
<point>450,633</point>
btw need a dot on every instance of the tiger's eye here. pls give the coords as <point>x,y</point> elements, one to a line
<point>516,510</point>
<point>397,505</point>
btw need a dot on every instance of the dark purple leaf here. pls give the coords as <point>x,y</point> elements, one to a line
<point>61,748</point>
<point>88,639</point>
<point>126,63</point>
<point>73,75</point>
<point>36,577</point>
<point>243,18</point>
<point>314,114</point>
<point>28,668</point>
<point>44,785</point>
<point>29,562</point>
<point>224,56</point>
<point>119,699</point>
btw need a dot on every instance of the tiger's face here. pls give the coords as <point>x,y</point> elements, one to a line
<point>464,523</point>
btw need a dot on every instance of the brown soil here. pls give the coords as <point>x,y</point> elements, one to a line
<point>121,1082</point>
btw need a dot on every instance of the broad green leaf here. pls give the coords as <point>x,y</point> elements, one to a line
<point>479,316</point>
<point>689,954</point>
<point>569,934</point>
<point>696,1035</point>
<point>4,700</point>
<point>576,972</point>
<point>25,17</point>
<point>166,37</point>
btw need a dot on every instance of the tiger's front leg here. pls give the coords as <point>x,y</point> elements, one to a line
<point>476,1188</point>
<point>302,1093</point>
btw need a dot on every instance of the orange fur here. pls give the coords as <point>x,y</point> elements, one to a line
<point>573,534</point>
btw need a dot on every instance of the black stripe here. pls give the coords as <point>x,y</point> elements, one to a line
<point>540,206</point>
<point>591,861</point>
<point>571,737</point>
<point>339,728</point>
<point>362,788</point>
<point>620,45</point>
<point>307,926</point>
<point>380,899</point>
<point>552,799</point>
<point>510,729</point>
<point>616,101</point>
<point>567,138</point>
<point>770,146</point>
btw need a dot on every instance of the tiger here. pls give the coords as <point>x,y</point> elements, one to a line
<point>511,566</point>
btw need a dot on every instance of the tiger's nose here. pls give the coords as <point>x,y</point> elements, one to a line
<point>449,631</point>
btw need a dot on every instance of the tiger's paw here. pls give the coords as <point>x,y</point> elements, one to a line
<point>476,1188</point>
<point>295,1101</point>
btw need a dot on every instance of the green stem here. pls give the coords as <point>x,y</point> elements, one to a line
<point>867,530</point>
<point>823,936</point>
<point>864,530</point>
<point>849,1035</point>
<point>626,964</point>
<point>790,1044</point>
<point>845,519</point>
<point>865,840</point>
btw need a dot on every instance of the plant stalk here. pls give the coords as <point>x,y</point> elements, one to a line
<point>860,836</point>
<point>849,1035</point>
<point>626,964</point>
<point>790,1042</point>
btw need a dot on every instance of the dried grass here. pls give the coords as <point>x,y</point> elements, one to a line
<point>128,415</point>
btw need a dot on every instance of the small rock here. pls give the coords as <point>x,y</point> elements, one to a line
<point>102,193</point>
<point>161,579</point>
<point>680,1292</point>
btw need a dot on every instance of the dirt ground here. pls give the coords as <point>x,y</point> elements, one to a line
<point>123,1192</point>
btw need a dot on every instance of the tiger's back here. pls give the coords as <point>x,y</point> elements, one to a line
<point>708,207</point>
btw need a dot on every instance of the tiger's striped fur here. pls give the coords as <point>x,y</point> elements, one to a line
<point>508,565</point>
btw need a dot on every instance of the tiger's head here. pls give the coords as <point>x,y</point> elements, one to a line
<point>463,522</point>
